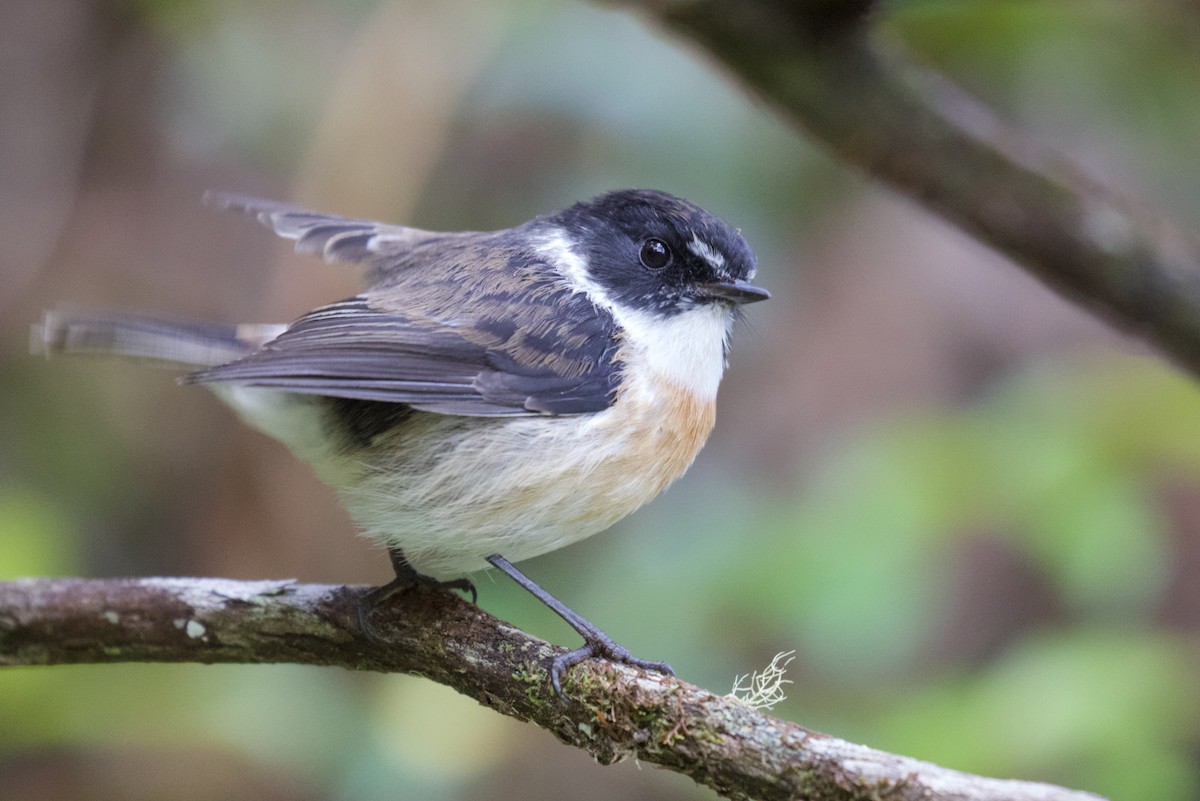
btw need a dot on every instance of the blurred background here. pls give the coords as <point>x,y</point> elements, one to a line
<point>972,509</point>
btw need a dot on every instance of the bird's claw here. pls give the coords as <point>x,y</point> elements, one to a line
<point>601,648</point>
<point>369,602</point>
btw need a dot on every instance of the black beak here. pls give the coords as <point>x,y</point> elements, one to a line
<point>737,291</point>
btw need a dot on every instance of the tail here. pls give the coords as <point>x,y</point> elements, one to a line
<point>168,343</point>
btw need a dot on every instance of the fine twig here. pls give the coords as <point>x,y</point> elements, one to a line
<point>615,712</point>
<point>818,64</point>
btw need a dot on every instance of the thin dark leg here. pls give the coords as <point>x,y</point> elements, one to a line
<point>595,642</point>
<point>406,577</point>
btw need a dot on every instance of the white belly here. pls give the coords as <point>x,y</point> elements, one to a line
<point>451,490</point>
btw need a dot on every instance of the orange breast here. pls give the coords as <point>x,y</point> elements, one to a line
<point>674,433</point>
<point>664,426</point>
<point>454,490</point>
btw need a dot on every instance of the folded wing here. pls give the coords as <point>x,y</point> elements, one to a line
<point>352,350</point>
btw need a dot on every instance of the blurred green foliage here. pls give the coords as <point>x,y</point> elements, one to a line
<point>1063,464</point>
<point>996,579</point>
<point>34,537</point>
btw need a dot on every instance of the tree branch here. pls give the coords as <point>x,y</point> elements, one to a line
<point>616,712</point>
<point>817,64</point>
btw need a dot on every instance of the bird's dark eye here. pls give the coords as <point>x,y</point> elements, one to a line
<point>655,254</point>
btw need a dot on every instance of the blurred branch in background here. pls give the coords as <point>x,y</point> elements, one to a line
<point>818,63</point>
<point>616,712</point>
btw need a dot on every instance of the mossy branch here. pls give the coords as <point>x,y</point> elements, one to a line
<point>615,712</point>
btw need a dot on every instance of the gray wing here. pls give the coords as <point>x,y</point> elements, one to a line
<point>352,350</point>
<point>438,332</point>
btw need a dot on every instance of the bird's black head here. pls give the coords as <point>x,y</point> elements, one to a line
<point>657,253</point>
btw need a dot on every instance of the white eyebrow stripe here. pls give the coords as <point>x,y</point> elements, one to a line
<point>703,250</point>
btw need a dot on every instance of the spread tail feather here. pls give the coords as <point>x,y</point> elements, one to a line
<point>170,343</point>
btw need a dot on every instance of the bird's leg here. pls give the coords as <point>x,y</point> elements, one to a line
<point>595,642</point>
<point>406,577</point>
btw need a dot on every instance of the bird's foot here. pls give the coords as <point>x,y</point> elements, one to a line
<point>596,644</point>
<point>600,646</point>
<point>406,578</point>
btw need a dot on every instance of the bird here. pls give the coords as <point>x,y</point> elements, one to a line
<point>490,396</point>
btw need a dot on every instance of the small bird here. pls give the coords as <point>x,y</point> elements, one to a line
<point>491,395</point>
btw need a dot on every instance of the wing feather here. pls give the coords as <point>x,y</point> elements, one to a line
<point>457,323</point>
<point>332,237</point>
<point>351,350</point>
